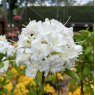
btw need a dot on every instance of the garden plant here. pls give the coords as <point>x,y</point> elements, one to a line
<point>46,56</point>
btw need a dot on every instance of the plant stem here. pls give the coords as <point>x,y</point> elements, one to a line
<point>82,92</point>
<point>57,84</point>
<point>43,78</point>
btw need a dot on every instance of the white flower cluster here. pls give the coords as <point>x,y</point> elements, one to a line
<point>5,67</point>
<point>8,50</point>
<point>6,47</point>
<point>46,47</point>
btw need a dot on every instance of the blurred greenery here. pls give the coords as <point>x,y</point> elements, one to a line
<point>85,63</point>
<point>77,13</point>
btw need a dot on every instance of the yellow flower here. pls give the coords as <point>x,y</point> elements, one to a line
<point>20,89</point>
<point>7,81</point>
<point>23,81</point>
<point>9,87</point>
<point>92,84</point>
<point>26,80</point>
<point>22,67</point>
<point>70,93</point>
<point>77,92</point>
<point>1,79</point>
<point>59,76</point>
<point>49,89</point>
<point>13,70</point>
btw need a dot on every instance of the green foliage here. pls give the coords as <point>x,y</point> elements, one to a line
<point>38,79</point>
<point>86,39</point>
<point>1,64</point>
<point>85,63</point>
<point>51,78</point>
<point>77,13</point>
<point>32,92</point>
<point>72,74</point>
<point>2,90</point>
<point>39,88</point>
<point>1,56</point>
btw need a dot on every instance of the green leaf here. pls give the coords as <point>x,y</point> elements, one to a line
<point>86,70</point>
<point>51,78</point>
<point>1,64</point>
<point>11,57</point>
<point>38,79</point>
<point>41,90</point>
<point>72,74</point>
<point>5,91</point>
<point>1,56</point>
<point>32,92</point>
<point>22,72</point>
<point>88,50</point>
<point>89,89</point>
<point>91,58</point>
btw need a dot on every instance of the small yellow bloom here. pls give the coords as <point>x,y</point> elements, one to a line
<point>70,93</point>
<point>49,89</point>
<point>13,70</point>
<point>26,80</point>
<point>92,86</point>
<point>7,81</point>
<point>1,79</point>
<point>22,67</point>
<point>77,92</point>
<point>9,87</point>
<point>20,89</point>
<point>59,76</point>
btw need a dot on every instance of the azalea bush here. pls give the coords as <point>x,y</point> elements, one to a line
<point>41,60</point>
<point>85,63</point>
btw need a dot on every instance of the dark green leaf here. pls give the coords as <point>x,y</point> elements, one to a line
<point>51,78</point>
<point>1,56</point>
<point>86,70</point>
<point>38,78</point>
<point>88,50</point>
<point>72,74</point>
<point>32,92</point>
<point>1,64</point>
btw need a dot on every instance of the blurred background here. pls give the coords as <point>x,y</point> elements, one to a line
<point>14,13</point>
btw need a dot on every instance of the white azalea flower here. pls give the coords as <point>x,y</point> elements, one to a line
<point>8,50</point>
<point>23,56</point>
<point>46,47</point>
<point>57,64</point>
<point>6,47</point>
<point>24,42</point>
<point>68,31</point>
<point>70,63</point>
<point>32,70</point>
<point>3,38</point>
<point>29,28</point>
<point>3,47</point>
<point>5,67</point>
<point>39,50</point>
